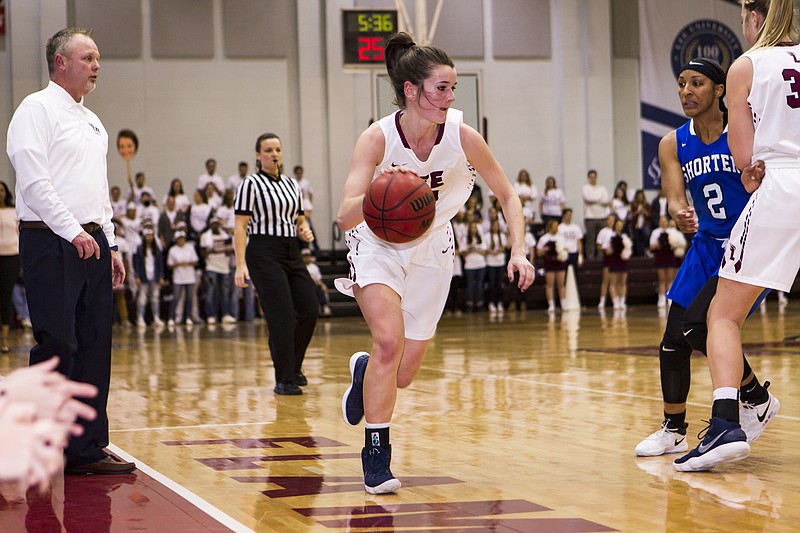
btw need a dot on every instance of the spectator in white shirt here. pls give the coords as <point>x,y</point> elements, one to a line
<point>307,191</point>
<point>573,240</point>
<point>527,194</point>
<point>198,215</point>
<point>236,179</point>
<point>182,259</point>
<point>552,202</point>
<point>146,211</point>
<point>226,212</point>
<point>118,204</point>
<point>176,191</point>
<point>213,198</point>
<point>217,248</point>
<point>595,209</point>
<point>496,248</point>
<point>140,187</point>
<point>149,275</point>
<point>211,176</point>
<point>473,251</point>
<point>620,204</point>
<point>132,225</point>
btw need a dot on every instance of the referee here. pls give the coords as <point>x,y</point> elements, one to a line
<point>269,221</point>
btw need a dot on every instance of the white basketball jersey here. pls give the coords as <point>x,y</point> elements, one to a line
<point>447,170</point>
<point>775,103</point>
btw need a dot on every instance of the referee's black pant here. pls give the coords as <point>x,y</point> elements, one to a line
<point>287,297</point>
<point>70,302</point>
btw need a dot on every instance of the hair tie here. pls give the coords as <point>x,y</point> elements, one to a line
<point>411,45</point>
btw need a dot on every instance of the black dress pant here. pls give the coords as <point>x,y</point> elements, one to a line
<point>287,296</point>
<point>9,272</point>
<point>70,302</point>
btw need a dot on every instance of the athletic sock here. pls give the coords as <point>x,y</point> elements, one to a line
<point>676,421</point>
<point>376,435</point>
<point>753,392</point>
<point>726,404</point>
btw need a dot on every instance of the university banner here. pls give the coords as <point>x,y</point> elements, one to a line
<point>671,33</point>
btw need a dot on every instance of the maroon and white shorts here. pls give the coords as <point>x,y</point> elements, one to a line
<point>764,246</point>
<point>419,272</point>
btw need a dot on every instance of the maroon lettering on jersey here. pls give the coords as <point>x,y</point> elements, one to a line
<point>435,181</point>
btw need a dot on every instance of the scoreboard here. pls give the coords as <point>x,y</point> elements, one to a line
<point>364,34</point>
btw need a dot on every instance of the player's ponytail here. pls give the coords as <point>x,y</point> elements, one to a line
<point>407,61</point>
<point>778,24</point>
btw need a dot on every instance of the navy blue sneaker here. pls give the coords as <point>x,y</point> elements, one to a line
<point>353,399</point>
<point>723,442</point>
<point>378,478</point>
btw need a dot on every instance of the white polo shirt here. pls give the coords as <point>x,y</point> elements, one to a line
<point>58,148</point>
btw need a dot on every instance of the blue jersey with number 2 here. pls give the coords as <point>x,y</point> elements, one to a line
<point>718,197</point>
<point>713,180</point>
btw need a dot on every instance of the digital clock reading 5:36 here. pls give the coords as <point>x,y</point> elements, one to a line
<point>365,33</point>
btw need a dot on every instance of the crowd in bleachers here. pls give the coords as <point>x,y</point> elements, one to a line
<point>630,226</point>
<point>179,255</point>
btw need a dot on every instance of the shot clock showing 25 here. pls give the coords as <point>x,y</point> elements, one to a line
<point>364,34</point>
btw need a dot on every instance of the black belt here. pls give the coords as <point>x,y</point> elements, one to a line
<point>90,228</point>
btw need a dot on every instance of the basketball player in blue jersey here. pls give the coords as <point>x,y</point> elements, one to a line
<point>402,288</point>
<point>695,157</point>
<point>765,112</point>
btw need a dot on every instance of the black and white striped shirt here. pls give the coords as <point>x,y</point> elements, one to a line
<point>273,204</point>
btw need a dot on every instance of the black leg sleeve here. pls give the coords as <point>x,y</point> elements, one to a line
<point>674,354</point>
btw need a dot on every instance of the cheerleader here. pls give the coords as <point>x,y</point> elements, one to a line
<point>603,242</point>
<point>619,252</point>
<point>552,249</point>
<point>668,246</point>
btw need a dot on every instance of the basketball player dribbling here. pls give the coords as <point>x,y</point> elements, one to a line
<point>402,288</point>
<point>719,198</point>
<point>764,247</point>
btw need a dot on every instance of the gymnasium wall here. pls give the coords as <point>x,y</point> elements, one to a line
<point>203,78</point>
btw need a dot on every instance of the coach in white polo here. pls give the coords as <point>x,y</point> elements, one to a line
<point>58,148</point>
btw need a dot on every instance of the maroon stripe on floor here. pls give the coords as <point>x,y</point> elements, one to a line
<point>134,502</point>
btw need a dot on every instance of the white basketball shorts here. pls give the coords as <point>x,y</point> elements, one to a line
<point>419,272</point>
<point>764,247</point>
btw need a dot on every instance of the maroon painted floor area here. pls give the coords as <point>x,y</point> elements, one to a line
<point>99,504</point>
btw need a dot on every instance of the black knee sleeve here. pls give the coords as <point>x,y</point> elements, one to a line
<point>674,354</point>
<point>693,324</point>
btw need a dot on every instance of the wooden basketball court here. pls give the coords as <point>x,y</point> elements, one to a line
<point>522,424</point>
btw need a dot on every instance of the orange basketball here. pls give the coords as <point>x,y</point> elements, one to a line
<point>399,206</point>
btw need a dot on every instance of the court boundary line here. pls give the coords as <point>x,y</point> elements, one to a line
<point>200,503</point>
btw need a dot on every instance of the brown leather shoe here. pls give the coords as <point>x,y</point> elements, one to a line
<point>111,464</point>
